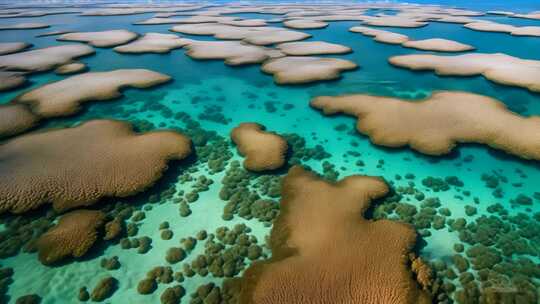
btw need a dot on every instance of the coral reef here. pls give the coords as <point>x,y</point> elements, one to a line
<point>64,97</point>
<point>499,68</point>
<point>75,233</point>
<point>301,233</point>
<point>437,124</point>
<point>116,162</point>
<point>263,150</point>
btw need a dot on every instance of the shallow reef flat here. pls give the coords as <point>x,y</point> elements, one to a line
<point>185,153</point>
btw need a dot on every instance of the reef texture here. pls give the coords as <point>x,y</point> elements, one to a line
<point>75,233</point>
<point>65,97</point>
<point>153,43</point>
<point>297,70</point>
<point>263,150</point>
<point>78,166</point>
<point>499,68</point>
<point>304,48</point>
<point>15,118</point>
<point>324,251</point>
<point>233,52</point>
<point>12,47</point>
<point>100,39</point>
<point>437,124</point>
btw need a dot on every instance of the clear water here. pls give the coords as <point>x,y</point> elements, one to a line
<point>217,84</point>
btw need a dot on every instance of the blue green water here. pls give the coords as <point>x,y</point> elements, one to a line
<point>246,94</point>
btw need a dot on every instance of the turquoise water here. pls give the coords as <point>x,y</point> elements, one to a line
<point>245,94</point>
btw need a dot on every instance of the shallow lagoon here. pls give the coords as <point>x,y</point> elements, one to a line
<point>245,94</point>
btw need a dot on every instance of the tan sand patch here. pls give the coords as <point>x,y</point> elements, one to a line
<point>15,118</point>
<point>380,35</point>
<point>40,60</point>
<point>233,52</point>
<point>187,20</point>
<point>297,70</point>
<point>64,97</point>
<point>260,35</point>
<point>23,26</point>
<point>153,43</point>
<point>70,68</point>
<point>262,150</point>
<point>305,24</point>
<point>499,68</point>
<point>100,39</point>
<point>303,48</point>
<point>504,28</point>
<point>393,22</point>
<point>12,47</point>
<point>11,80</point>
<point>437,124</point>
<point>439,45</point>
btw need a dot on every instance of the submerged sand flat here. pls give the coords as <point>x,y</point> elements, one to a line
<point>380,35</point>
<point>303,48</point>
<point>320,229</point>
<point>46,167</point>
<point>305,24</point>
<point>504,28</point>
<point>11,80</point>
<point>499,68</point>
<point>23,26</point>
<point>438,44</point>
<point>38,13</point>
<point>120,11</point>
<point>186,20</point>
<point>233,52</point>
<point>40,60</point>
<point>394,22</point>
<point>16,118</point>
<point>100,39</point>
<point>12,47</point>
<point>65,97</point>
<point>153,43</point>
<point>71,68</point>
<point>433,44</point>
<point>254,35</point>
<point>437,124</point>
<point>297,70</point>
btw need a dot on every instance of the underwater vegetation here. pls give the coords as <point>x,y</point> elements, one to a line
<point>269,153</point>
